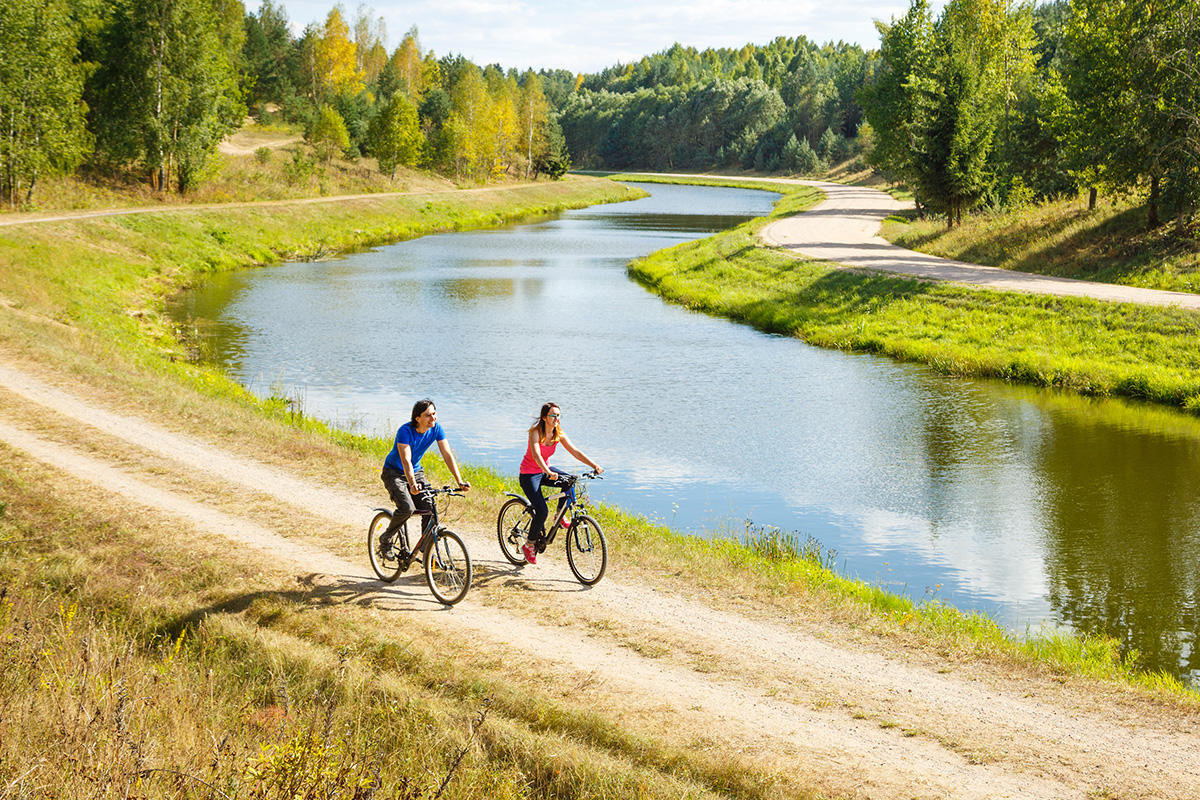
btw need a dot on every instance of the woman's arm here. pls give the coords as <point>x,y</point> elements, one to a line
<point>570,448</point>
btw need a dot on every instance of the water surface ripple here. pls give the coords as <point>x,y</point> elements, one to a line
<point>1033,506</point>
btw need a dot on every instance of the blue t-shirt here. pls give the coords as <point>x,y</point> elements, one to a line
<point>418,443</point>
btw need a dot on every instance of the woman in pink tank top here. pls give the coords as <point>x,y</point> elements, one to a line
<point>536,472</point>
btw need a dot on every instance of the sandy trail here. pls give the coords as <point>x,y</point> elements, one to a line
<point>844,228</point>
<point>873,723</point>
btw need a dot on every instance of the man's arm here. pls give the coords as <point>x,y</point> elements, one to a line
<point>448,457</point>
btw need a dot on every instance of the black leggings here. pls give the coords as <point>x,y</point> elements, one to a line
<point>531,485</point>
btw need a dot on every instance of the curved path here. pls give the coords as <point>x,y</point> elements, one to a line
<point>847,717</point>
<point>845,229</point>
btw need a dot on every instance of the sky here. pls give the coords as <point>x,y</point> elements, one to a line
<point>587,36</point>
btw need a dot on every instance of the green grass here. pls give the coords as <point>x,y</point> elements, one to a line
<point>115,645</point>
<point>1085,346</point>
<point>126,668</point>
<point>1109,244</point>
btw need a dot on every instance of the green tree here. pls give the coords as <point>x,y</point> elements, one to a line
<point>328,134</point>
<point>1106,82</point>
<point>167,87</point>
<point>1174,50</point>
<point>553,160</point>
<point>954,133</point>
<point>270,55</point>
<point>798,157</point>
<point>395,135</point>
<point>890,99</point>
<point>42,114</point>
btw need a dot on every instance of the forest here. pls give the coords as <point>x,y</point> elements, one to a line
<point>990,103</point>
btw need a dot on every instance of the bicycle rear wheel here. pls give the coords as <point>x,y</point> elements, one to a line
<point>587,552</point>
<point>448,568</point>
<point>512,529</point>
<point>388,569</point>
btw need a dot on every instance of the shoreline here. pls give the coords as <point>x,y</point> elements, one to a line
<point>694,669</point>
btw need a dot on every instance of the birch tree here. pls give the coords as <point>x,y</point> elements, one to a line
<point>42,114</point>
<point>168,88</point>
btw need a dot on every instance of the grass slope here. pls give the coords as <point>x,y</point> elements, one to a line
<point>1081,345</point>
<point>131,666</point>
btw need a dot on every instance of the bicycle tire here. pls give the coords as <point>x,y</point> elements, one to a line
<point>587,551</point>
<point>448,568</point>
<point>512,529</point>
<point>386,569</point>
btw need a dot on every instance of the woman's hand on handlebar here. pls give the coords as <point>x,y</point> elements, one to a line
<point>464,485</point>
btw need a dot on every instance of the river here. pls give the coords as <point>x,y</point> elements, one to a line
<point>1039,508</point>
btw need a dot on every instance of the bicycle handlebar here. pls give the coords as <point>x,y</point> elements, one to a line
<point>450,490</point>
<point>590,475</point>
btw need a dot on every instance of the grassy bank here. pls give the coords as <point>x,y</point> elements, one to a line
<point>132,667</point>
<point>1109,244</point>
<point>108,276</point>
<point>1084,346</point>
<point>167,666</point>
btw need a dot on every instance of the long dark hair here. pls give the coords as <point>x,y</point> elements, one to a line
<point>419,408</point>
<point>551,436</point>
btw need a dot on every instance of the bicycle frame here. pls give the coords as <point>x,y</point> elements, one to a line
<point>430,524</point>
<point>576,507</point>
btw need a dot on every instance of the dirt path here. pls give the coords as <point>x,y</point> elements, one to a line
<point>845,229</point>
<point>858,719</point>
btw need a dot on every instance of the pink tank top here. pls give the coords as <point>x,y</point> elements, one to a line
<point>529,466</point>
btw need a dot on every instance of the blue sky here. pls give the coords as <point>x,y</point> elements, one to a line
<point>587,36</point>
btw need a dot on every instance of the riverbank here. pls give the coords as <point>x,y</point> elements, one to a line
<point>1080,345</point>
<point>1064,238</point>
<point>185,595</point>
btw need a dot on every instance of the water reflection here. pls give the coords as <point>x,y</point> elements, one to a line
<point>1122,518</point>
<point>1030,505</point>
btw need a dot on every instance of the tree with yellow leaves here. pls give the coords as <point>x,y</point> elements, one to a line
<point>533,112</point>
<point>370,53</point>
<point>330,58</point>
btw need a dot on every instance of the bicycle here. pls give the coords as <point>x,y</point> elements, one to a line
<point>587,551</point>
<point>447,563</point>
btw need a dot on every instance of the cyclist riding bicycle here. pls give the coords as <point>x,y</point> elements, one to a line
<point>535,472</point>
<point>402,473</point>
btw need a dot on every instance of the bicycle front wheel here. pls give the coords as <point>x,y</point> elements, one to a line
<point>512,529</point>
<point>448,568</point>
<point>388,569</point>
<point>587,552</point>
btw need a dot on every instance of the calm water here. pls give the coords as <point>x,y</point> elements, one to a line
<point>1036,507</point>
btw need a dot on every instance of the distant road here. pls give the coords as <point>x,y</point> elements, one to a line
<point>845,229</point>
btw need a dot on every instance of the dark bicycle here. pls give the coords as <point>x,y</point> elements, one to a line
<point>587,552</point>
<point>447,563</point>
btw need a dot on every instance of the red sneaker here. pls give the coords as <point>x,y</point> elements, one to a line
<point>530,553</point>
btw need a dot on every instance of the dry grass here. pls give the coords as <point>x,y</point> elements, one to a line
<point>172,672</point>
<point>1064,238</point>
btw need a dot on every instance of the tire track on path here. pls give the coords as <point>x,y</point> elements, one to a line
<point>1036,749</point>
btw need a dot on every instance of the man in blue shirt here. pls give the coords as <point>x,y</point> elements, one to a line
<point>402,473</point>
